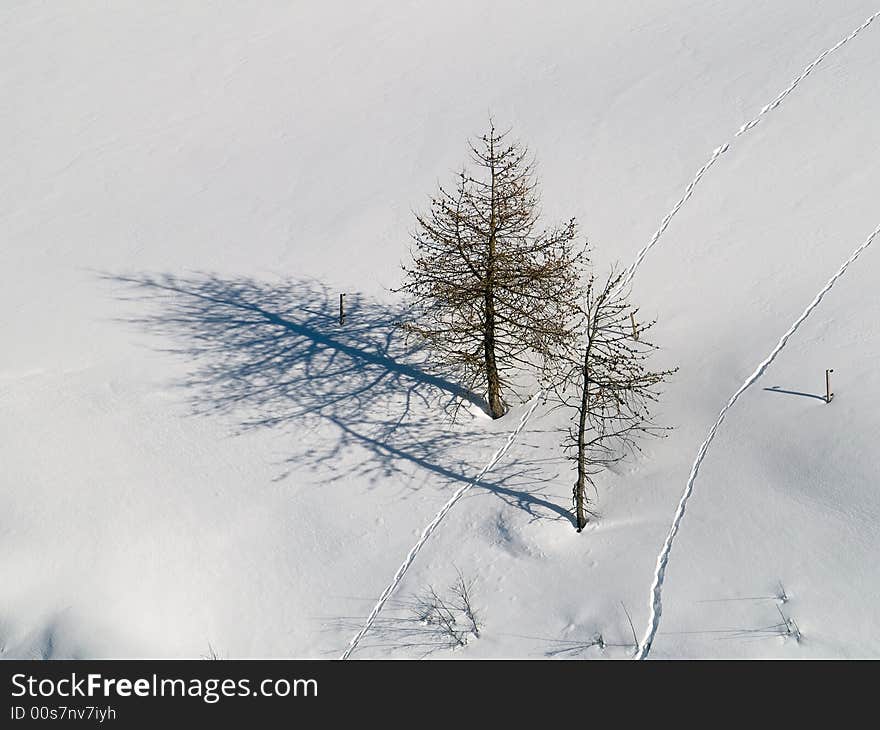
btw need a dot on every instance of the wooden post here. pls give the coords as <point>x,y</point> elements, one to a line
<point>828,394</point>
<point>632,319</point>
<point>342,309</point>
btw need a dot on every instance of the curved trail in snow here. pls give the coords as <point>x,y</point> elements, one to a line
<point>663,558</point>
<point>625,280</point>
<point>720,150</point>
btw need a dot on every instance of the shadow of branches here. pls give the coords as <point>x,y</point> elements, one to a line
<point>274,354</point>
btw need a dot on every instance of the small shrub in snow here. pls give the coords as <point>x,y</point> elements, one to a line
<point>450,615</point>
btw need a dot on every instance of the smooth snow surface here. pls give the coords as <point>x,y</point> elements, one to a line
<point>195,453</point>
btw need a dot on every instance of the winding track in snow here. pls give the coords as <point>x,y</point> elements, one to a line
<point>720,150</point>
<point>656,607</point>
<point>663,558</point>
<point>625,280</point>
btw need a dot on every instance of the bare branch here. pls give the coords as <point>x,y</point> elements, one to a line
<point>605,381</point>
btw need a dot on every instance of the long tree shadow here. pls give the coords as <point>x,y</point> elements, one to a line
<point>274,354</point>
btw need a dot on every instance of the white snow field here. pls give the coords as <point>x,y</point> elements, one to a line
<point>196,458</point>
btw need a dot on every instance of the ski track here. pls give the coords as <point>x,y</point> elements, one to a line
<point>663,558</point>
<point>626,279</point>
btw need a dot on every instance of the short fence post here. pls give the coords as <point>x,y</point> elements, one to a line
<point>828,394</point>
<point>342,309</point>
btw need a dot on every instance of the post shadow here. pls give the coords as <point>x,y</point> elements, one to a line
<point>777,389</point>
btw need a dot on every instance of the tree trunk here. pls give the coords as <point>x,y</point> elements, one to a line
<point>496,406</point>
<point>581,483</point>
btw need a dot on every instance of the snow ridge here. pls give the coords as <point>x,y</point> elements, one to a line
<point>426,533</point>
<point>718,151</point>
<point>663,557</point>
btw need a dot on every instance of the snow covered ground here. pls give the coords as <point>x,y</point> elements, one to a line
<point>195,456</point>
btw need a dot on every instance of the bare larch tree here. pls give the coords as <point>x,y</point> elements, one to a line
<point>605,381</point>
<point>491,291</point>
